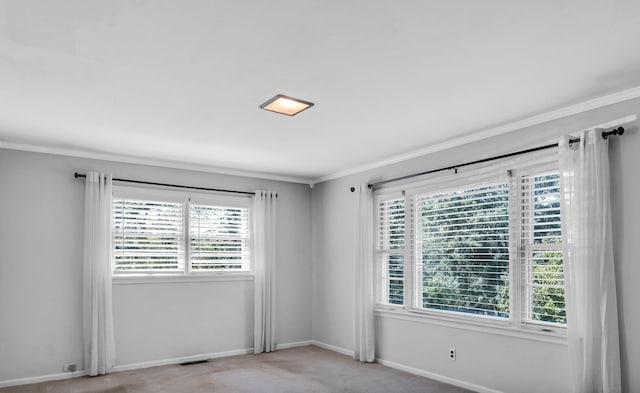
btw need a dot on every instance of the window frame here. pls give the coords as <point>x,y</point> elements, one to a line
<point>185,198</point>
<point>515,324</point>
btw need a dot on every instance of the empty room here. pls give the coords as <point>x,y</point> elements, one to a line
<point>340,196</point>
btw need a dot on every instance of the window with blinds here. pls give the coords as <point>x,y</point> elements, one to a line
<point>147,236</point>
<point>164,232</point>
<point>219,238</point>
<point>462,250</point>
<point>390,249</point>
<point>541,251</point>
<point>490,252</point>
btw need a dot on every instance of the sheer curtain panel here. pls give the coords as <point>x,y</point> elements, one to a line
<point>592,316</point>
<point>264,235</point>
<point>363,324</point>
<point>97,315</point>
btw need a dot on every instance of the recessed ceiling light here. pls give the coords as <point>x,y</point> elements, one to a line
<point>286,105</point>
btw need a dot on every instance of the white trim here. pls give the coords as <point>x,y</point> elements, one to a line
<point>151,162</point>
<point>411,370</point>
<point>468,324</point>
<point>182,359</point>
<point>294,344</point>
<point>333,348</point>
<point>141,365</point>
<point>41,378</point>
<point>123,279</point>
<point>571,110</point>
<point>437,377</point>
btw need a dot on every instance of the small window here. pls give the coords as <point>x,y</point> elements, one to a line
<point>219,238</point>
<point>543,275</point>
<point>166,232</point>
<point>391,239</point>
<point>148,235</point>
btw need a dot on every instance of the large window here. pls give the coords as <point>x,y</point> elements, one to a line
<point>490,250</point>
<point>165,232</point>
<point>462,250</point>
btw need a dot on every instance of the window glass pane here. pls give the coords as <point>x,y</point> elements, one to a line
<point>547,281</point>
<point>391,224</point>
<point>219,238</point>
<point>462,249</point>
<point>391,240</point>
<point>147,235</point>
<point>395,274</point>
<point>543,275</point>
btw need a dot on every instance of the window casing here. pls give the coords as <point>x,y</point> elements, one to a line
<point>162,232</point>
<point>487,252</point>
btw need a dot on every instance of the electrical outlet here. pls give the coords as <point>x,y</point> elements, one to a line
<point>452,353</point>
<point>71,367</point>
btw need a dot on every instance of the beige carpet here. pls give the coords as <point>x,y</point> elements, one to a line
<point>305,369</point>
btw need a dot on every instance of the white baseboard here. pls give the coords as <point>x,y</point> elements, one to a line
<point>246,351</point>
<point>182,359</point>
<point>437,377</point>
<point>141,365</point>
<point>294,344</point>
<point>41,378</point>
<point>333,348</point>
<point>412,370</point>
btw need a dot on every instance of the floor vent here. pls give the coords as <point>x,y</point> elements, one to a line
<point>194,362</point>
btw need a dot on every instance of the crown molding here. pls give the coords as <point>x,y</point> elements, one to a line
<point>150,162</point>
<point>575,109</point>
<point>582,107</point>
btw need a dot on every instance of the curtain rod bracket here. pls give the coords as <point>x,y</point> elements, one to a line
<point>617,131</point>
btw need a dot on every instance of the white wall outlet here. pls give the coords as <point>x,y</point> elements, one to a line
<point>452,353</point>
<point>71,367</point>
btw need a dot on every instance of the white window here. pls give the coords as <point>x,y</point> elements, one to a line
<point>541,250</point>
<point>462,250</point>
<point>488,251</point>
<point>168,232</point>
<point>391,240</point>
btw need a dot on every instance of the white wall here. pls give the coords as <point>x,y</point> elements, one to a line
<point>497,362</point>
<point>41,220</point>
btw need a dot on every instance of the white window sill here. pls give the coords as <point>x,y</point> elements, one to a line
<point>125,279</point>
<point>464,323</point>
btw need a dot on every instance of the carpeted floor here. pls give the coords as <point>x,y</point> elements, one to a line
<point>305,369</point>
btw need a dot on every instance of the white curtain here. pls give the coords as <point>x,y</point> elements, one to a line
<point>264,210</point>
<point>97,315</point>
<point>592,317</point>
<point>363,324</point>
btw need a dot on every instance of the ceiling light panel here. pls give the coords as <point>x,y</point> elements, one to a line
<point>286,105</point>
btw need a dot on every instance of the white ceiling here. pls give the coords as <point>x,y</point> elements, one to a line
<point>181,81</point>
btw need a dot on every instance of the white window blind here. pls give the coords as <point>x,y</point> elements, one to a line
<point>173,232</point>
<point>543,276</point>
<point>147,236</point>
<point>391,248</point>
<point>462,250</point>
<point>219,238</point>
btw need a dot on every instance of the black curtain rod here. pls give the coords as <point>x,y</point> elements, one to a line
<point>79,175</point>
<point>605,135</point>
